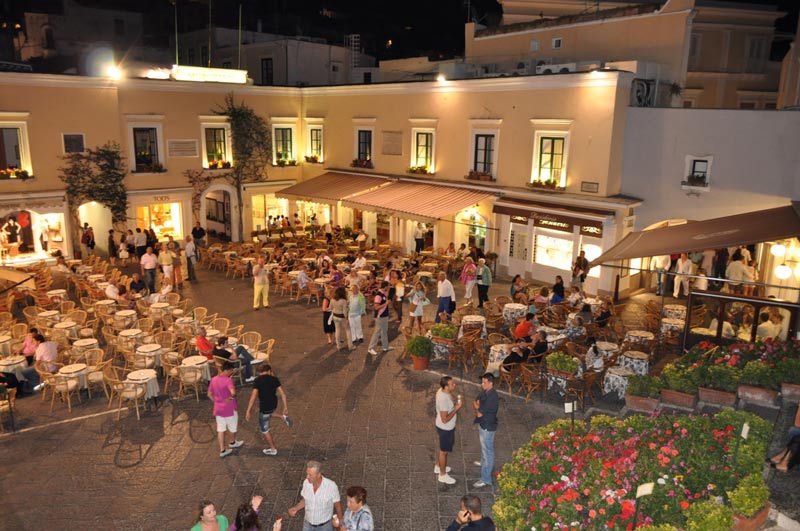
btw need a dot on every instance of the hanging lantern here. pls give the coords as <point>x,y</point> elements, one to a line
<point>783,271</point>
<point>778,250</point>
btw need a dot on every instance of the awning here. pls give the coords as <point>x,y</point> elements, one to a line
<point>742,229</point>
<point>331,187</point>
<point>417,201</point>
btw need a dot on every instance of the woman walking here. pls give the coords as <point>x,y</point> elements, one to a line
<point>468,277</point>
<point>327,318</point>
<point>340,313</point>
<point>112,248</point>
<point>418,301</point>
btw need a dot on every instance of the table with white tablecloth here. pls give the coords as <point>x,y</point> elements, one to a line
<point>125,318</point>
<point>75,371</point>
<point>148,378</point>
<point>638,362</point>
<point>674,311</point>
<point>512,313</point>
<point>639,337</point>
<point>594,303</point>
<point>70,327</point>
<point>151,350</point>
<point>5,345</point>
<point>82,345</point>
<point>49,318</point>
<point>129,337</point>
<point>497,354</point>
<point>158,309</point>
<point>185,325</point>
<point>472,322</point>
<point>198,361</point>
<point>669,324</point>
<point>606,348</point>
<point>57,295</point>
<point>14,365</point>
<point>616,381</point>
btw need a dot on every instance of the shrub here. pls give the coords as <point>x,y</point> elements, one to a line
<point>749,496</point>
<point>788,370</point>
<point>759,374</point>
<point>561,362</point>
<point>444,331</point>
<point>720,377</point>
<point>646,386</point>
<point>708,516</point>
<point>420,347</point>
<point>679,379</point>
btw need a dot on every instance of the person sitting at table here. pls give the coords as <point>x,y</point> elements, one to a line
<point>303,279</point>
<point>586,313</point>
<point>336,276</point>
<point>594,358</point>
<point>541,346</point>
<point>575,330</point>
<point>204,346</point>
<point>359,262</point>
<point>558,291</point>
<point>518,353</point>
<point>137,285</point>
<point>766,328</point>
<point>61,266</point>
<point>166,287</point>
<point>462,252</point>
<point>47,353</point>
<point>450,252</point>
<point>350,258</point>
<point>412,267</point>
<point>575,298</point>
<point>525,327</point>
<point>239,355</point>
<point>542,298</point>
<point>9,381</point>
<point>727,328</point>
<point>352,278</point>
<point>28,346</point>
<point>604,316</point>
<point>519,290</point>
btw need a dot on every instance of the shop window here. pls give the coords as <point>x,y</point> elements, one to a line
<point>422,155</point>
<point>264,206</point>
<point>593,249</point>
<point>164,218</point>
<point>315,142</point>
<point>73,143</point>
<point>483,154</point>
<point>216,145</point>
<point>552,249</point>
<point>364,148</point>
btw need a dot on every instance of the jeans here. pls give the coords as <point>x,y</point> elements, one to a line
<point>381,333</point>
<point>483,294</point>
<point>444,306</point>
<point>190,268</point>
<point>150,279</point>
<point>419,244</point>
<point>487,454</point>
<point>245,358</point>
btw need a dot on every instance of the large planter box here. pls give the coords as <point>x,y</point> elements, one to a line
<point>676,398</point>
<point>740,523</point>
<point>718,398</point>
<point>641,403</point>
<point>758,395</point>
<point>790,392</point>
<point>443,341</point>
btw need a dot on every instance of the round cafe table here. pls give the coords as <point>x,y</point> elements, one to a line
<point>106,302</point>
<point>125,317</point>
<point>593,302</point>
<point>497,354</point>
<point>14,365</point>
<point>95,278</point>
<point>212,333</point>
<point>606,348</point>
<point>512,312</point>
<point>364,273</point>
<point>75,370</point>
<point>185,325</point>
<point>57,294</point>
<point>151,350</point>
<point>70,326</point>
<point>638,362</point>
<point>83,345</point>
<point>157,309</point>
<point>616,380</point>
<point>129,337</point>
<point>639,337</point>
<point>473,322</point>
<point>50,315</point>
<point>198,361</point>
<point>5,346</point>
<point>669,324</point>
<point>674,311</point>
<point>294,274</point>
<point>148,378</point>
<point>73,262</point>
<point>554,339</point>
<point>83,269</point>
<point>322,280</point>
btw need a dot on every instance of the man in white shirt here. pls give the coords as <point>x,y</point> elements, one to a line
<point>736,272</point>
<point>303,279</point>
<point>191,257</point>
<point>419,239</point>
<point>140,242</point>
<point>447,406</point>
<point>320,498</point>
<point>148,264</point>
<point>766,328</point>
<point>683,267</point>
<point>660,264</point>
<point>360,262</point>
<point>446,294</point>
<point>353,278</point>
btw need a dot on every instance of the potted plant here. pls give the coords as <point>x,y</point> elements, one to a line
<point>213,164</point>
<point>696,180</point>
<point>549,184</point>
<point>562,365</point>
<point>759,384</point>
<point>679,386</point>
<point>717,384</point>
<point>420,348</point>
<point>642,393</point>
<point>708,516</point>
<point>419,169</point>
<point>444,334</point>
<point>749,502</point>
<point>362,163</point>
<point>314,159</point>
<point>789,376</point>
<point>226,164</point>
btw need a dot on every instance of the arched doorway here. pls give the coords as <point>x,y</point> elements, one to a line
<point>219,213</point>
<point>98,216</point>
<point>471,228</point>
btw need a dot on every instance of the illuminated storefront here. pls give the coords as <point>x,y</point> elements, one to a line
<point>264,206</point>
<point>164,218</point>
<point>167,212</point>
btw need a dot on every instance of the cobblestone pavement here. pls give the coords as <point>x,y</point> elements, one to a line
<point>368,420</point>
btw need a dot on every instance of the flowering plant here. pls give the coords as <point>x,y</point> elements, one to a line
<point>760,374</point>
<point>561,362</point>
<point>362,163</point>
<point>14,173</point>
<point>709,516</point>
<point>679,378</point>
<point>749,496</point>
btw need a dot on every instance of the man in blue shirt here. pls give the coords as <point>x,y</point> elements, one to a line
<point>486,406</point>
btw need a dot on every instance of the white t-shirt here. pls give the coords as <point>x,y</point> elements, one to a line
<point>444,402</point>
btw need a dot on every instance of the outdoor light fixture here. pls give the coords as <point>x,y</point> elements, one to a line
<point>113,72</point>
<point>778,250</point>
<point>440,78</point>
<point>783,271</point>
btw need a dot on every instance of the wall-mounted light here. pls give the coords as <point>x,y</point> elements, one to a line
<point>783,271</point>
<point>113,72</point>
<point>778,250</point>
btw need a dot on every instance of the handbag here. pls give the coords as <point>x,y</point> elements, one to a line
<point>123,253</point>
<point>412,307</point>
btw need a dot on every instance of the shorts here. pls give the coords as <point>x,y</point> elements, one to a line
<point>227,423</point>
<point>263,421</point>
<point>447,439</point>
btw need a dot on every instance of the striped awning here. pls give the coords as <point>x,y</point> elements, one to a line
<point>417,201</point>
<point>331,187</point>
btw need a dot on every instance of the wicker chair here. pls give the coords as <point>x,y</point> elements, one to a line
<point>124,390</point>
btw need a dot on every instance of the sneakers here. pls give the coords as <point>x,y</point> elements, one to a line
<point>249,380</point>
<point>269,451</point>
<point>37,387</point>
<point>436,469</point>
<point>287,421</point>
<point>373,352</point>
<point>235,444</point>
<point>478,484</point>
<point>476,463</point>
<point>447,480</point>
<point>387,349</point>
<point>226,453</point>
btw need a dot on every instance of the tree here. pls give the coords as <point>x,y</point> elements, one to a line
<point>96,175</point>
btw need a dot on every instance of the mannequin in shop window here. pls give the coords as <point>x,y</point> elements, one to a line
<point>11,230</point>
<point>44,235</point>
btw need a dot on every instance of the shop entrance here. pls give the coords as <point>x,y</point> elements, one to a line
<point>27,235</point>
<point>218,215</point>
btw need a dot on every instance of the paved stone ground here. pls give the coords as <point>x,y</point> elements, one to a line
<point>369,420</point>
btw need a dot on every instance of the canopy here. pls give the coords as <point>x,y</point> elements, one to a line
<point>417,201</point>
<point>741,229</point>
<point>331,187</point>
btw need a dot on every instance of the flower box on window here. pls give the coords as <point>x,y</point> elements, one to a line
<point>285,162</point>
<point>422,170</point>
<point>550,184</point>
<point>219,165</point>
<point>362,163</point>
<point>699,181</point>
<point>15,173</point>
<point>313,159</point>
<point>156,167</point>
<point>475,175</point>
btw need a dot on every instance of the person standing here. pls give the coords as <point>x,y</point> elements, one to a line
<point>140,242</point>
<point>468,277</point>
<point>191,258</point>
<point>320,499</point>
<point>446,416</point>
<point>484,282</point>
<point>266,389</point>
<point>112,248</point>
<point>419,239</point>
<point>579,270</point>
<point>446,294</point>
<point>736,272</point>
<point>223,393</point>
<point>661,265</point>
<point>358,307</point>
<point>340,314</point>
<point>260,284</point>
<point>164,258</point>
<point>381,311</point>
<point>198,234</point>
<point>470,516</point>
<point>486,406</point>
<point>682,268</point>
<point>358,516</point>
<point>148,263</point>
<point>328,230</point>
<point>418,301</point>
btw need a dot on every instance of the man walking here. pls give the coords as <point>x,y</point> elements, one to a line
<point>486,406</point>
<point>198,233</point>
<point>260,284</point>
<point>191,257</point>
<point>148,263</point>
<point>320,498</point>
<point>266,389</point>
<point>223,393</point>
<point>446,416</point>
<point>579,270</point>
<point>484,277</point>
<point>446,294</point>
<point>381,311</point>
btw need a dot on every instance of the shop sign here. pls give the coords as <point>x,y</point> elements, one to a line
<point>161,198</point>
<point>592,230</point>
<point>519,219</point>
<point>548,221</point>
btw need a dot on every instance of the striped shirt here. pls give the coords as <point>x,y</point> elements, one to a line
<point>319,505</point>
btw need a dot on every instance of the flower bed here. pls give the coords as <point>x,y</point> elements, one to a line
<point>587,478</point>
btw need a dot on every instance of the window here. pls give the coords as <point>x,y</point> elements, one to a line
<point>164,218</point>
<point>216,148</point>
<point>694,51</point>
<point>283,143</point>
<point>204,56</point>
<point>557,42</point>
<point>315,140</point>
<point>756,50</point>
<point>367,77</point>
<point>266,71</point>
<point>191,56</point>
<point>119,27</point>
<point>145,144</point>
<point>700,168</point>
<point>364,148</point>
<point>49,39</point>
<point>534,45</point>
<point>423,149</point>
<point>73,143</point>
<point>697,170</point>
<point>483,154</point>
<point>14,153</point>
<point>226,64</point>
<point>552,248</point>
<point>334,68</point>
<point>551,158</point>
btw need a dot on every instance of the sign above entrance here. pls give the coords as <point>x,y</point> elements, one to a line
<point>552,221</point>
